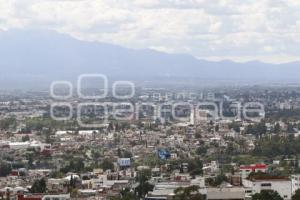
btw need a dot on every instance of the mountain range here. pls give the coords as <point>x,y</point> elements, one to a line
<point>37,57</point>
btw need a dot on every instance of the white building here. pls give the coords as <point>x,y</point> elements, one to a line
<point>227,193</point>
<point>57,197</point>
<point>88,133</point>
<point>26,145</point>
<point>60,133</point>
<point>212,167</point>
<point>281,185</point>
<point>19,145</point>
<point>295,183</point>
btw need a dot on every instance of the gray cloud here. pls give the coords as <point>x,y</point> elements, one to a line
<point>266,30</point>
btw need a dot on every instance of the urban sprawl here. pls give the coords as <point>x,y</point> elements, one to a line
<point>218,143</point>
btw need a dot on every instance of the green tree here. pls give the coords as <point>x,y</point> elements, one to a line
<point>267,195</point>
<point>25,138</point>
<point>235,126</point>
<point>39,186</point>
<point>107,164</point>
<point>217,128</point>
<point>258,129</point>
<point>72,182</point>
<point>296,196</point>
<point>202,150</point>
<point>75,165</point>
<point>7,123</point>
<point>277,128</point>
<point>195,167</point>
<point>5,169</point>
<point>144,186</point>
<point>126,194</point>
<point>277,146</point>
<point>127,154</point>
<point>290,128</point>
<point>214,182</point>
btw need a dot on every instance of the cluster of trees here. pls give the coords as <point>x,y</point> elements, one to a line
<point>235,126</point>
<point>141,190</point>
<point>188,193</point>
<point>118,126</point>
<point>273,195</point>
<point>261,175</point>
<point>277,146</point>
<point>39,186</point>
<point>290,128</point>
<point>202,150</point>
<point>258,129</point>
<point>7,123</point>
<point>217,181</point>
<point>107,164</point>
<point>194,165</point>
<point>124,153</point>
<point>126,194</point>
<point>25,138</point>
<point>144,186</point>
<point>296,196</point>
<point>285,115</point>
<point>75,165</point>
<point>5,169</point>
<point>39,123</point>
<point>267,195</point>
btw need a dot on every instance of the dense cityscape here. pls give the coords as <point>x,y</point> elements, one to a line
<point>149,100</point>
<point>172,144</point>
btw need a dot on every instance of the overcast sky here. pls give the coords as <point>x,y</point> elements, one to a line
<point>240,30</point>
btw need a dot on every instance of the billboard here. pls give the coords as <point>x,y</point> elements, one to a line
<point>124,162</point>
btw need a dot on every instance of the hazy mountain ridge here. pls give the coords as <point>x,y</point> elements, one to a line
<point>40,56</point>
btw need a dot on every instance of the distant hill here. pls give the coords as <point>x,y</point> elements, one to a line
<point>37,57</point>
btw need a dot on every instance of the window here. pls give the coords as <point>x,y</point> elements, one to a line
<point>266,185</point>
